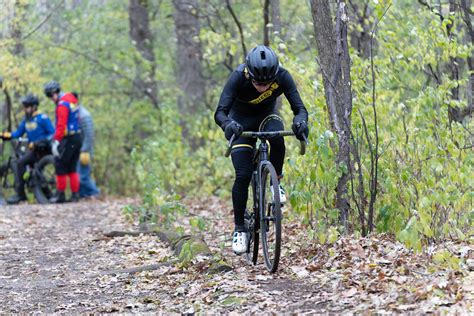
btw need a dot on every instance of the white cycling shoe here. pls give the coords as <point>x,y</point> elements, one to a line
<point>239,242</point>
<point>282,194</point>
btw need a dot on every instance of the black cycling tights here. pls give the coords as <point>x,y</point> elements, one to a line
<point>242,160</point>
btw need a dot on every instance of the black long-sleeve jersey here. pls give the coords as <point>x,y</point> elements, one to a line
<point>240,96</point>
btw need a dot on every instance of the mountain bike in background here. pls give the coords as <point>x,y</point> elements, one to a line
<point>39,178</point>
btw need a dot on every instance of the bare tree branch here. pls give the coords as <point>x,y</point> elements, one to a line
<point>426,4</point>
<point>60,4</point>
<point>374,154</point>
<point>98,63</point>
<point>438,81</point>
<point>239,26</point>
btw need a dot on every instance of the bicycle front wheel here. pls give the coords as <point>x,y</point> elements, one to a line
<point>270,220</point>
<point>45,179</point>
<point>252,223</point>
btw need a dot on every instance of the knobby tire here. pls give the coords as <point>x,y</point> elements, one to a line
<point>43,190</point>
<point>270,217</point>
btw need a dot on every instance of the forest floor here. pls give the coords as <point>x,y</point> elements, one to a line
<point>56,259</point>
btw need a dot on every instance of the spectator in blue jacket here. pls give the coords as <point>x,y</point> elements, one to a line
<point>39,131</point>
<point>87,188</point>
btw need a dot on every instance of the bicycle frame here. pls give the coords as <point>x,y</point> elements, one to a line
<point>262,161</point>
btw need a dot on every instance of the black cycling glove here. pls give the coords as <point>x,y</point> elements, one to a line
<point>300,128</point>
<point>233,128</point>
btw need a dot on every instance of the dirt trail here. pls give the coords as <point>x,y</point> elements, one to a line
<point>56,259</point>
<point>49,253</point>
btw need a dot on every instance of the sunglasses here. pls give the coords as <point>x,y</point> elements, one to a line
<point>261,84</point>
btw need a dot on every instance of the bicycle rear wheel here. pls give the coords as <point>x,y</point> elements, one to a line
<point>270,211</point>
<point>252,224</point>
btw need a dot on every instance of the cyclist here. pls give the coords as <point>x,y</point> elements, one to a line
<point>39,131</point>
<point>248,102</point>
<point>67,141</point>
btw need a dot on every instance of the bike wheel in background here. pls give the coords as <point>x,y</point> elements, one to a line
<point>271,217</point>
<point>45,179</point>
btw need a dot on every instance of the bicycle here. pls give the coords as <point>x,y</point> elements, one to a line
<point>40,177</point>
<point>265,216</point>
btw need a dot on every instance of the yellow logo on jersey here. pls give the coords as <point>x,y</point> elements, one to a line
<point>31,126</point>
<point>265,94</point>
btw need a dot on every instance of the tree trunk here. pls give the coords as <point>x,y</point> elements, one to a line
<point>456,113</point>
<point>276,34</point>
<point>276,18</point>
<point>456,64</point>
<point>19,9</point>
<point>6,114</point>
<point>454,60</point>
<point>142,39</point>
<point>466,16</point>
<point>360,38</point>
<point>333,51</point>
<point>189,63</point>
<point>266,23</point>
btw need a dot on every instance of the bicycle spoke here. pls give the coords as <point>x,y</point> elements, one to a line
<point>252,223</point>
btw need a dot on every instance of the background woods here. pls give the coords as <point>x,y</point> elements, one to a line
<point>389,87</point>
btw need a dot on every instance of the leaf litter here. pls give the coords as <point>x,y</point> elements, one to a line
<point>55,259</point>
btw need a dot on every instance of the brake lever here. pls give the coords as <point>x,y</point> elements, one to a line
<point>305,140</point>
<point>229,146</point>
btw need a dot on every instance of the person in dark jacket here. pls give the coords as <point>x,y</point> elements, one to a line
<point>248,103</point>
<point>87,187</point>
<point>67,142</point>
<point>39,131</point>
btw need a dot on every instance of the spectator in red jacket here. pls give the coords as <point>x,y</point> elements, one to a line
<point>67,141</point>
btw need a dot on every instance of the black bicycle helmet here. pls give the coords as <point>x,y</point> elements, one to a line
<point>262,64</point>
<point>30,100</point>
<point>51,87</point>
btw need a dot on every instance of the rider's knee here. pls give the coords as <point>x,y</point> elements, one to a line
<point>277,143</point>
<point>243,175</point>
